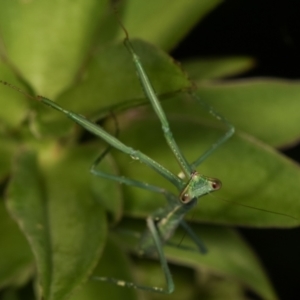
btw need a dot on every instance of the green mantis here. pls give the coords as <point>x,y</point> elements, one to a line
<point>161,224</point>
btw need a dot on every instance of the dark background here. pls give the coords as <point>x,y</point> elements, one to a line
<point>269,31</point>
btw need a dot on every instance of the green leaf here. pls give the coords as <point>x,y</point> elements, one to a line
<point>265,108</point>
<point>115,264</point>
<point>108,193</point>
<point>219,67</point>
<point>228,257</point>
<point>13,106</point>
<point>114,66</point>
<point>37,40</point>
<point>119,82</point>
<point>7,148</point>
<point>253,174</point>
<point>25,203</point>
<point>216,288</point>
<point>163,23</point>
<point>10,295</point>
<point>149,272</point>
<point>15,265</point>
<point>189,285</point>
<point>60,217</point>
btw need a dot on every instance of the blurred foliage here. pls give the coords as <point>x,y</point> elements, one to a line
<point>54,216</point>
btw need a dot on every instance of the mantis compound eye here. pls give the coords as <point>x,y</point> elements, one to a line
<point>185,198</point>
<point>216,184</point>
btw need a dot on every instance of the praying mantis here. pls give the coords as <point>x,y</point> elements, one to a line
<point>163,223</point>
<point>158,224</point>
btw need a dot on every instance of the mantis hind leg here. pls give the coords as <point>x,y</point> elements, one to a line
<point>164,264</point>
<point>198,242</point>
<point>202,248</point>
